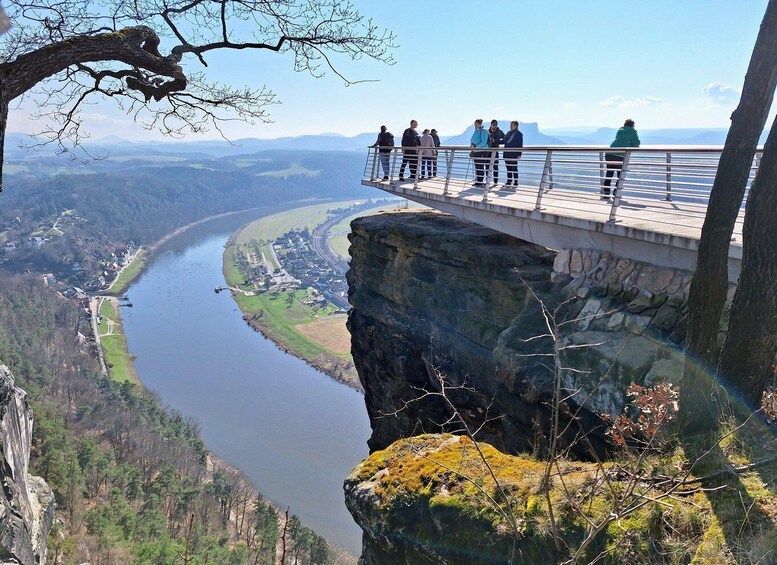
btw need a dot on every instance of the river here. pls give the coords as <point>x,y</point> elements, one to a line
<point>293,431</point>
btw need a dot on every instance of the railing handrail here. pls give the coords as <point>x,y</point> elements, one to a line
<point>577,148</point>
<point>560,175</point>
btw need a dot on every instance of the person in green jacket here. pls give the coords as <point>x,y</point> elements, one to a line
<point>626,137</point>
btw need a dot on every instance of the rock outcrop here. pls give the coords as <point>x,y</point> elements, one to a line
<point>433,295</point>
<point>26,502</point>
<point>442,306</point>
<point>433,499</point>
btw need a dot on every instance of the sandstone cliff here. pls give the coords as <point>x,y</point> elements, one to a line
<point>433,293</point>
<point>26,502</point>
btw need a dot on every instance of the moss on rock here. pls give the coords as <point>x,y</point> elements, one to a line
<point>432,499</point>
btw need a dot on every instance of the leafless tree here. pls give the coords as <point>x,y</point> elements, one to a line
<point>148,56</point>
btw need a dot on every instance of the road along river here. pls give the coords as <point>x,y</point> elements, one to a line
<point>293,431</point>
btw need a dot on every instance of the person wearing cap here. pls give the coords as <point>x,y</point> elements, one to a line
<point>436,139</point>
<point>427,154</point>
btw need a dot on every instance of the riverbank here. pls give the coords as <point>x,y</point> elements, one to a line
<point>111,340</point>
<point>288,316</point>
<point>135,267</point>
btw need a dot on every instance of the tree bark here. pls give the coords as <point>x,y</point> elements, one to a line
<point>3,125</point>
<point>134,46</point>
<point>748,356</point>
<point>710,282</point>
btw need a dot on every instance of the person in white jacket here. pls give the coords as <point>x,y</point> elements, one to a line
<point>428,153</point>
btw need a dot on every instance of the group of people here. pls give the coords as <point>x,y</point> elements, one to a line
<point>428,141</point>
<point>482,143</point>
<point>494,137</point>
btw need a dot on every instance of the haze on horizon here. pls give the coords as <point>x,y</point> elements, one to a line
<point>562,64</point>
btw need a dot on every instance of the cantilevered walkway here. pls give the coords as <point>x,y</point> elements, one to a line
<point>656,215</point>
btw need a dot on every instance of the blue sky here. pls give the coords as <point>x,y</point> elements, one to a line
<point>563,64</point>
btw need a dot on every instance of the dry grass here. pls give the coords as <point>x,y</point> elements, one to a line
<point>329,333</point>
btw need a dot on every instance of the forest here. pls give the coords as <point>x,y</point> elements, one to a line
<point>141,202</point>
<point>132,478</point>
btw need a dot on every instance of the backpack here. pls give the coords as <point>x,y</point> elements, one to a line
<point>386,140</point>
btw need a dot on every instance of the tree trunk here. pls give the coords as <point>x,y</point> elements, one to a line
<point>710,283</point>
<point>3,125</point>
<point>748,356</point>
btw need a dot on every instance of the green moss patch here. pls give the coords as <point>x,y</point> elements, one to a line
<point>434,495</point>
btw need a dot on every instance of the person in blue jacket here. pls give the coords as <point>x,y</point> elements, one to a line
<point>513,140</point>
<point>479,142</point>
<point>625,137</point>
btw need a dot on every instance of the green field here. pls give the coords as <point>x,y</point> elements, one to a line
<point>339,242</point>
<point>279,312</point>
<point>154,157</point>
<point>128,274</point>
<point>270,227</point>
<point>295,169</point>
<point>114,346</point>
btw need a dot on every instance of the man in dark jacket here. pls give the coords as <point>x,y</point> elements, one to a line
<point>495,138</point>
<point>385,141</point>
<point>513,140</point>
<point>436,139</point>
<point>410,140</point>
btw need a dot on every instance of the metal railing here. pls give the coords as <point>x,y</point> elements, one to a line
<point>562,176</point>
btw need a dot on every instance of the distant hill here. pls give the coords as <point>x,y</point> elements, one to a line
<point>324,142</point>
<point>679,136</point>
<point>531,135</point>
<point>114,146</point>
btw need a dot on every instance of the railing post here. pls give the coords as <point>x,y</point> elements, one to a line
<point>543,181</point>
<point>449,156</point>
<point>616,200</point>
<point>602,169</point>
<point>395,153</point>
<point>550,176</point>
<point>374,175</point>
<point>489,171</point>
<point>668,176</point>
<point>494,153</point>
<point>417,167</point>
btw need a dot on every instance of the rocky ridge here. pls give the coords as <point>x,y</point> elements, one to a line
<point>27,502</point>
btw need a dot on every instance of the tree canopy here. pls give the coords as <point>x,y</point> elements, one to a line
<point>150,56</point>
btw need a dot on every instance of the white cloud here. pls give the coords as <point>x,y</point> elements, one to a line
<point>722,93</point>
<point>613,101</point>
<point>621,102</point>
<point>569,106</point>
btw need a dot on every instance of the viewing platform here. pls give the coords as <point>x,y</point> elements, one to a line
<point>655,216</point>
